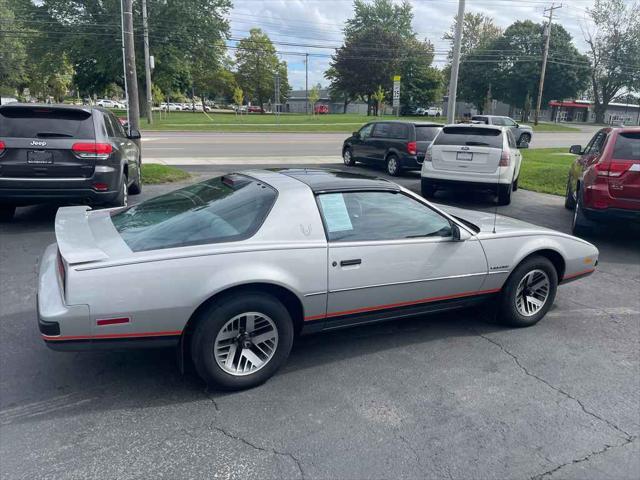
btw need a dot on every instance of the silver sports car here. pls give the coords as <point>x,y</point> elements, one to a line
<point>231,269</point>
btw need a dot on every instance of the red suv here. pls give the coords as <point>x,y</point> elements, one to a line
<point>604,181</point>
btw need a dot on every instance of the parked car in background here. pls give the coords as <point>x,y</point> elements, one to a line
<point>62,154</point>
<point>433,112</point>
<point>255,109</point>
<point>395,145</point>
<point>481,157</point>
<point>265,255</point>
<point>321,109</point>
<point>174,107</point>
<point>106,103</point>
<point>604,180</point>
<point>522,133</point>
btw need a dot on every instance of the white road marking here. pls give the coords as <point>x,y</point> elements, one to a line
<point>9,415</point>
<point>278,160</point>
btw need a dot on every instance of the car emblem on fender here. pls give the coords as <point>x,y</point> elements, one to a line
<point>36,143</point>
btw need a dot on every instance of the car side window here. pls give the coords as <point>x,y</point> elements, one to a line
<point>371,216</point>
<point>381,130</point>
<point>511,139</point>
<point>498,121</point>
<point>108,122</point>
<point>365,131</point>
<point>596,144</point>
<point>507,122</point>
<point>397,130</point>
<point>119,129</point>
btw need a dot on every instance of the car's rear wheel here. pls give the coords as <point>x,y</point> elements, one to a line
<point>241,341</point>
<point>580,224</point>
<point>515,185</point>
<point>569,201</point>
<point>393,165</point>
<point>427,188</point>
<point>504,194</point>
<point>528,293</point>
<point>136,187</point>
<point>7,212</point>
<point>122,200</point>
<point>347,157</point>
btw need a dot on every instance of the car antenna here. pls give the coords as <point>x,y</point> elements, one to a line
<point>495,210</point>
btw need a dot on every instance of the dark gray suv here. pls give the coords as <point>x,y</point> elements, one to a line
<point>65,154</point>
<point>396,145</point>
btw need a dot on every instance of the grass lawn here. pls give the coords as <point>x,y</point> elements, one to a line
<point>545,170</point>
<point>152,174</point>
<point>553,127</point>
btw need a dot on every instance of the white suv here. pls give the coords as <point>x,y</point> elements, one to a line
<point>479,157</point>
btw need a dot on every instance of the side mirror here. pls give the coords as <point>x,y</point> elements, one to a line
<point>356,134</point>
<point>523,145</point>
<point>576,149</point>
<point>134,134</point>
<point>455,232</point>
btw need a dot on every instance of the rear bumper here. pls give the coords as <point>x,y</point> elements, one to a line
<point>460,184</point>
<point>485,181</point>
<point>30,191</point>
<point>612,214</point>
<point>411,162</point>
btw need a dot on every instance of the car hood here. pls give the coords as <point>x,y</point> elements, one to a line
<point>486,221</point>
<point>525,127</point>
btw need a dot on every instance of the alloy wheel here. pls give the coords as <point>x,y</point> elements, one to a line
<point>532,292</point>
<point>392,165</point>
<point>125,194</point>
<point>346,157</point>
<point>246,343</point>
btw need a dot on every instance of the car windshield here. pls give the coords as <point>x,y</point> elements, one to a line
<point>42,122</point>
<point>222,209</point>
<point>627,146</point>
<point>472,136</point>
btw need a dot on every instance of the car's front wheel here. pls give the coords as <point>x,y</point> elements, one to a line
<point>241,341</point>
<point>528,293</point>
<point>347,157</point>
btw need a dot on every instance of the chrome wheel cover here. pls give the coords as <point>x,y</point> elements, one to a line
<point>346,156</point>
<point>125,197</point>
<point>532,292</point>
<point>392,165</point>
<point>246,343</point>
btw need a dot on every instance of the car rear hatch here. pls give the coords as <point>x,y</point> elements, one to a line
<point>39,142</point>
<point>623,171</point>
<point>424,136</point>
<point>468,149</point>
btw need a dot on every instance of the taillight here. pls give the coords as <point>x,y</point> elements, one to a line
<point>61,270</point>
<point>412,148</point>
<point>611,169</point>
<point>98,151</point>
<point>428,157</point>
<point>2,147</point>
<point>505,159</point>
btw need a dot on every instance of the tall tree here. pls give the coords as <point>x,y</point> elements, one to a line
<point>519,55</point>
<point>614,51</point>
<point>12,49</point>
<point>478,30</point>
<point>257,64</point>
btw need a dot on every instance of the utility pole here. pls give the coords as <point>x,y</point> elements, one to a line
<point>131,79</point>
<point>455,65</point>
<point>147,62</point>
<point>306,83</point>
<point>547,35</point>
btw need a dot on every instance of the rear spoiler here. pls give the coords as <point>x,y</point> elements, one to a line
<point>75,238</point>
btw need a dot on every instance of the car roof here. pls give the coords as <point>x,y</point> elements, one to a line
<point>52,106</point>
<point>417,124</point>
<point>474,125</point>
<point>325,180</point>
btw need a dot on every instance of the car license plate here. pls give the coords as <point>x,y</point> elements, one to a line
<point>466,156</point>
<point>39,157</point>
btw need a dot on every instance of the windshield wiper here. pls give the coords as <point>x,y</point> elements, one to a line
<point>53,135</point>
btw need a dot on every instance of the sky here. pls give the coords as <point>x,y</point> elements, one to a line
<point>320,22</point>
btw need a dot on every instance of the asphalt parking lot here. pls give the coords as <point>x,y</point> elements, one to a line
<point>448,396</point>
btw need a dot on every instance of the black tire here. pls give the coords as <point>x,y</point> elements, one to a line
<point>524,138</point>
<point>515,186</point>
<point>347,157</point>
<point>213,318</point>
<point>122,200</point>
<point>504,194</point>
<point>508,312</point>
<point>7,212</point>
<point>393,165</point>
<point>569,201</point>
<point>136,187</point>
<point>427,188</point>
<point>580,224</point>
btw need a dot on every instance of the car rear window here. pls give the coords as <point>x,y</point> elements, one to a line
<point>627,146</point>
<point>222,209</point>
<point>43,122</point>
<point>481,137</point>
<point>426,134</point>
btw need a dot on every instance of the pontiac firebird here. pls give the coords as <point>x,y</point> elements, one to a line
<point>231,269</point>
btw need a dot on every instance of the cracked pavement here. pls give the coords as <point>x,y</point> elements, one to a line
<point>448,396</point>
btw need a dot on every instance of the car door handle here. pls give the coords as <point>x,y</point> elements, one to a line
<point>354,261</point>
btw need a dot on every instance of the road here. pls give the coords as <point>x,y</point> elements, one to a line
<point>187,148</point>
<point>448,396</point>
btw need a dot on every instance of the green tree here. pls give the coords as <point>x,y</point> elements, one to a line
<point>314,96</point>
<point>256,66</point>
<point>614,51</point>
<point>518,64</point>
<point>421,83</point>
<point>378,96</point>
<point>12,49</point>
<point>478,30</point>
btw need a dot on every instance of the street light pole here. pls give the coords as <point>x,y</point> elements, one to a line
<point>147,62</point>
<point>547,34</point>
<point>306,83</point>
<point>455,65</point>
